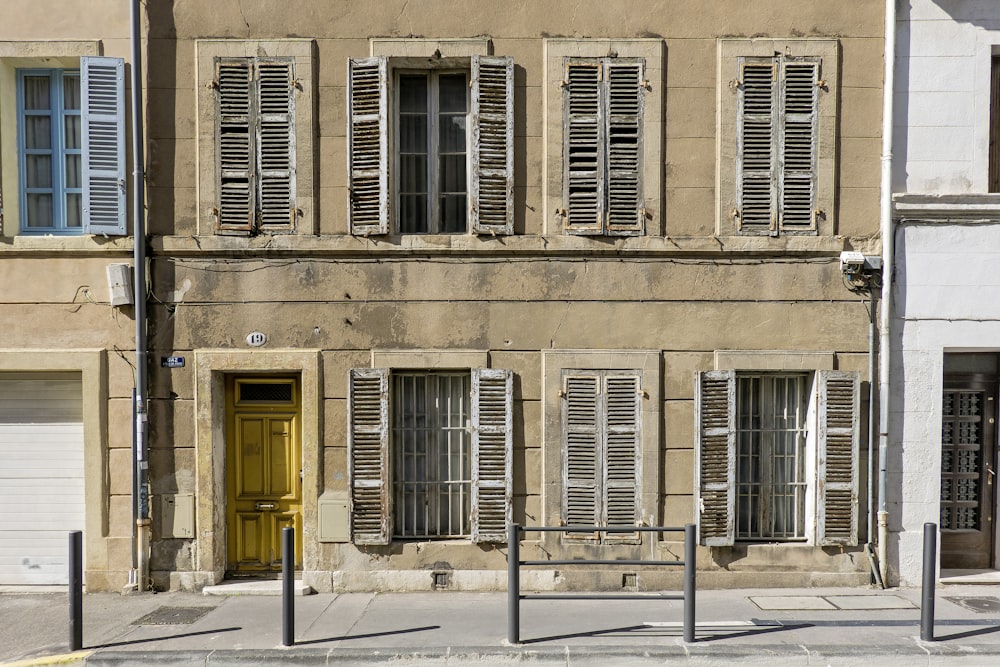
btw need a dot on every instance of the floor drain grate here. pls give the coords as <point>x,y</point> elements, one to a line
<point>985,605</point>
<point>173,616</point>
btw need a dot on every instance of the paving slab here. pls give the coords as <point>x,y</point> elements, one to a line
<point>791,602</point>
<point>856,602</point>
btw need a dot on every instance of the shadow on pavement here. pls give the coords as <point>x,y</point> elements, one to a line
<point>146,640</point>
<point>369,635</point>
<point>752,632</point>
<point>968,633</point>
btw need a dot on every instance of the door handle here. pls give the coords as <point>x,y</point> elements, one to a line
<point>265,506</point>
<point>990,473</point>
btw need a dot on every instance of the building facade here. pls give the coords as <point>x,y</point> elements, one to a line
<point>415,274</point>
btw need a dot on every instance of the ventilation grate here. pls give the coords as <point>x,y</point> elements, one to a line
<point>266,392</point>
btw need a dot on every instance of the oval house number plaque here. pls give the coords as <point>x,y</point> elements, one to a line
<point>256,339</point>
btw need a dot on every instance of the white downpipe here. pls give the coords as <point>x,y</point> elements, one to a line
<point>886,230</point>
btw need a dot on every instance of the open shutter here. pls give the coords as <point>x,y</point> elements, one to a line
<point>755,182</point>
<point>581,428</point>
<point>276,143</point>
<point>368,145</point>
<point>837,468</point>
<point>625,214</point>
<point>102,83</point>
<point>622,462</point>
<point>583,140</point>
<point>492,442</point>
<point>492,187</point>
<point>234,78</point>
<point>715,451</point>
<point>799,143</point>
<point>368,452</point>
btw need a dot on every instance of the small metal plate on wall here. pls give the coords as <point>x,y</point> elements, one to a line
<point>980,605</point>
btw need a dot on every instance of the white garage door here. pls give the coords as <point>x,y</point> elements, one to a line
<point>41,475</point>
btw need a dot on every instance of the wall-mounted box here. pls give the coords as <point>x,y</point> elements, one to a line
<point>177,515</point>
<point>334,517</point>
<point>120,284</point>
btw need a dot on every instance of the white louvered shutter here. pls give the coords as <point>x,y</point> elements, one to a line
<point>583,157</point>
<point>715,451</point>
<point>492,444</point>
<point>837,469</point>
<point>275,144</point>
<point>799,143</point>
<point>756,146</point>
<point>102,83</point>
<point>581,418</point>
<point>234,78</point>
<point>622,453</point>
<point>368,453</point>
<point>625,96</point>
<point>492,187</point>
<point>368,145</point>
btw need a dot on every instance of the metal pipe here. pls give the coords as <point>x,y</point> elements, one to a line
<point>75,590</point>
<point>886,233</point>
<point>513,583</point>
<point>287,586</point>
<point>929,582</point>
<point>872,408</point>
<point>690,581</point>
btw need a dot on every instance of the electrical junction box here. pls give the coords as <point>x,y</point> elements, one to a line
<point>120,284</point>
<point>334,517</point>
<point>177,515</point>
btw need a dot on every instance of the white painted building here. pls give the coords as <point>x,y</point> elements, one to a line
<point>945,350</point>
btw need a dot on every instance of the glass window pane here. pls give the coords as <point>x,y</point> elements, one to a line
<point>453,214</point>
<point>38,132</point>
<point>452,173</point>
<point>71,91</point>
<point>39,213</point>
<point>73,138</point>
<point>453,93</point>
<point>36,93</point>
<point>452,134</point>
<point>413,93</point>
<point>74,171</point>
<point>74,210</point>
<point>413,214</point>
<point>413,133</point>
<point>39,171</point>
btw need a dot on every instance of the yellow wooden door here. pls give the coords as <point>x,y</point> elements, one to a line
<point>263,471</point>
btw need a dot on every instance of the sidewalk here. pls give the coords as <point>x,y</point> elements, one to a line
<point>767,626</point>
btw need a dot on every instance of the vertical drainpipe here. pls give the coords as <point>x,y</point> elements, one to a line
<point>140,500</point>
<point>886,232</point>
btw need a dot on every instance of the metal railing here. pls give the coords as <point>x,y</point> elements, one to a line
<point>514,564</point>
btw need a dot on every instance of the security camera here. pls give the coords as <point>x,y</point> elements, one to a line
<point>852,261</point>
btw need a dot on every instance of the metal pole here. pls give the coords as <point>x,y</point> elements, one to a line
<point>690,545</point>
<point>75,590</point>
<point>513,583</point>
<point>930,580</point>
<point>287,586</point>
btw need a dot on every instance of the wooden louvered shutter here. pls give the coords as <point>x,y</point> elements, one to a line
<point>276,143</point>
<point>368,145</point>
<point>622,466</point>
<point>492,444</point>
<point>625,97</point>
<point>236,145</point>
<point>492,186</point>
<point>837,468</point>
<point>715,450</point>
<point>755,170</point>
<point>799,143</point>
<point>581,431</point>
<point>368,453</point>
<point>102,83</point>
<point>583,139</point>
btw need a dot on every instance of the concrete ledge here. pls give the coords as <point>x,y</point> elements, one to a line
<point>268,587</point>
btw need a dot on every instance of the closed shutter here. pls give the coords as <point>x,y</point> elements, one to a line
<point>276,143</point>
<point>368,452</point>
<point>755,182</point>
<point>799,143</point>
<point>103,117</point>
<point>625,214</point>
<point>583,157</point>
<point>715,451</point>
<point>236,144</point>
<point>367,145</point>
<point>492,204</point>
<point>581,450</point>
<point>492,442</point>
<point>622,465</point>
<point>837,469</point>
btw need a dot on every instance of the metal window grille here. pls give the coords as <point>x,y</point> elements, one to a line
<point>265,392</point>
<point>770,461</point>
<point>432,455</point>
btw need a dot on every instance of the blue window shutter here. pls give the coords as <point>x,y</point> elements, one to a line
<point>102,85</point>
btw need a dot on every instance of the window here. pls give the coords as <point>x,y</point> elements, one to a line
<point>430,454</point>
<point>601,425</point>
<point>777,136</point>
<point>994,152</point>
<point>71,148</point>
<point>443,138</point>
<point>775,450</point>
<point>256,145</point>
<point>602,145</point>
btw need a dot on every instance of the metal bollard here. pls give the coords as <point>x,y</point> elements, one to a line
<point>75,590</point>
<point>929,582</point>
<point>287,586</point>
<point>690,544</point>
<point>513,583</point>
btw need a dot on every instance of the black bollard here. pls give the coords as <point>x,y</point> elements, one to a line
<point>75,590</point>
<point>287,586</point>
<point>690,544</point>
<point>929,582</point>
<point>513,583</point>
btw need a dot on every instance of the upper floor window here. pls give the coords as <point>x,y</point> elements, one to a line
<point>431,150</point>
